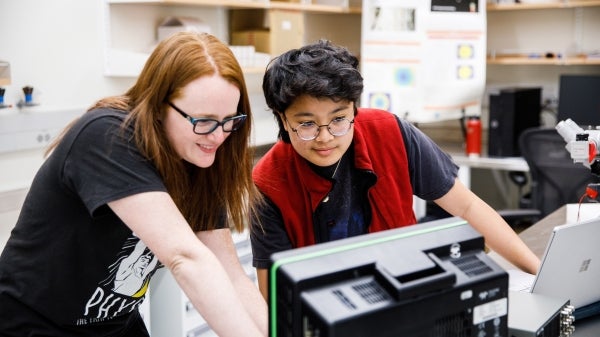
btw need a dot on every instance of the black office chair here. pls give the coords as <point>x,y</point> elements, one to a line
<point>555,179</point>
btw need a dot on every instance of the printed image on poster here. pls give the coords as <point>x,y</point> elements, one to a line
<point>454,6</point>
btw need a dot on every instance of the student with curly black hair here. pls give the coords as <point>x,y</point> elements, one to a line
<point>339,170</point>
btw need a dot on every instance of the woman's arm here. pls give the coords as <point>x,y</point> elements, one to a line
<point>221,244</point>
<point>156,220</point>
<point>499,236</point>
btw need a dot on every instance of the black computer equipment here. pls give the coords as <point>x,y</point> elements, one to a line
<point>511,111</point>
<point>430,279</point>
<point>579,99</point>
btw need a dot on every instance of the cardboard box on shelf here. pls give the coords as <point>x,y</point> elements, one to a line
<point>340,3</point>
<point>272,32</point>
<point>259,38</point>
<point>287,30</point>
<point>174,24</point>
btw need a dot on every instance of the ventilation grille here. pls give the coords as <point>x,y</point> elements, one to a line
<point>471,265</point>
<point>458,325</point>
<point>371,292</point>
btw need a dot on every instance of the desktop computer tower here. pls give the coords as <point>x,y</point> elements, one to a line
<point>512,111</point>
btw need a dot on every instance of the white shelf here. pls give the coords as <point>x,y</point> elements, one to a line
<point>130,25</point>
<point>557,61</point>
<point>323,6</point>
<point>533,44</point>
<point>543,5</point>
<point>567,29</point>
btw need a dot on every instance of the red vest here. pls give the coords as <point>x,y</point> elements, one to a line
<point>287,180</point>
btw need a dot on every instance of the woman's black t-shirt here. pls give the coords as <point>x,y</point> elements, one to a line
<point>71,266</point>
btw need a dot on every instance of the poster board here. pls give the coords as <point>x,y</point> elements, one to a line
<point>424,60</point>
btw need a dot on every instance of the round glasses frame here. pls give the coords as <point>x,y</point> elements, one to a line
<point>209,125</point>
<point>310,130</point>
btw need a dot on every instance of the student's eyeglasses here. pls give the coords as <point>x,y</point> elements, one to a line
<point>204,126</point>
<point>310,130</point>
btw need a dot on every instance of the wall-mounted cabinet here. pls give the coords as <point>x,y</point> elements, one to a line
<point>130,26</point>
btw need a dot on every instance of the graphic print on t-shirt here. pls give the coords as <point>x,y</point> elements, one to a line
<point>124,288</point>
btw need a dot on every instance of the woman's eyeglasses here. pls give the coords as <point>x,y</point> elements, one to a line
<point>205,126</point>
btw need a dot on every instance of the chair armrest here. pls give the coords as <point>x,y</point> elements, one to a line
<point>519,215</point>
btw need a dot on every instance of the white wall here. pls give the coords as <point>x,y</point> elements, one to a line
<point>56,46</point>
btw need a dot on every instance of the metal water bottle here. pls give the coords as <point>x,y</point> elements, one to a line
<point>473,136</point>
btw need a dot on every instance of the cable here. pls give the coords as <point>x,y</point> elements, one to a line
<point>591,191</point>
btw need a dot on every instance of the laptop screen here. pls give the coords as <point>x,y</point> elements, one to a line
<point>571,264</point>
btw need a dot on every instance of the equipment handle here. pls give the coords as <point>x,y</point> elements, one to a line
<point>414,284</point>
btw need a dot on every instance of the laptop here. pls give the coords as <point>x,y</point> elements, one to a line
<point>570,267</point>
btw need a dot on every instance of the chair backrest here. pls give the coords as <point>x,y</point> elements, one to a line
<point>555,179</point>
